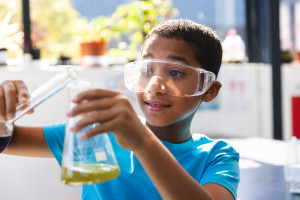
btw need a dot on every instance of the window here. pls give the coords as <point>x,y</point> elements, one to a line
<point>55,24</point>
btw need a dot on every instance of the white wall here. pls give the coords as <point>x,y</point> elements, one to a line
<point>245,103</point>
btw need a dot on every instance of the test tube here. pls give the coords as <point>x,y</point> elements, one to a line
<point>45,91</point>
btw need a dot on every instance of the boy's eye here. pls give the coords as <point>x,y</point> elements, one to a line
<point>176,73</point>
<point>146,71</point>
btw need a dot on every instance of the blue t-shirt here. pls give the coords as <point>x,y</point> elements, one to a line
<point>206,160</point>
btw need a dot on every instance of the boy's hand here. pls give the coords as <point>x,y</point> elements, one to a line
<point>12,94</point>
<point>114,113</point>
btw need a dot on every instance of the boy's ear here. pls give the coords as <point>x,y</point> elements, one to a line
<point>212,92</point>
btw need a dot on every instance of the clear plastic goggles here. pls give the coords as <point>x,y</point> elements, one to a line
<point>169,77</point>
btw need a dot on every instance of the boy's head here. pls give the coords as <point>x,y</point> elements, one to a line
<point>205,43</point>
<point>169,82</point>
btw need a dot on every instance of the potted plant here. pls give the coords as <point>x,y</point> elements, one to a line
<point>126,28</point>
<point>95,36</point>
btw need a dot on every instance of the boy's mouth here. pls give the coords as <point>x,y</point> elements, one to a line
<point>156,106</point>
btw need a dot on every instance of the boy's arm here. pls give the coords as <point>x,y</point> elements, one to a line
<point>170,179</point>
<point>28,141</point>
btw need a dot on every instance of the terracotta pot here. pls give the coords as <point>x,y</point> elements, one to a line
<point>93,48</point>
<point>93,54</point>
<point>298,56</point>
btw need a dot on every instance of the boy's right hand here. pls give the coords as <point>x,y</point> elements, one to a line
<point>12,94</point>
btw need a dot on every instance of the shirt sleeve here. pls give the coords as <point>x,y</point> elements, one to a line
<point>223,167</point>
<point>54,136</point>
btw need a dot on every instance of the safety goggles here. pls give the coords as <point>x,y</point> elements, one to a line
<point>168,77</point>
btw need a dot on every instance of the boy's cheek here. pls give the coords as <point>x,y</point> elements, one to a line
<point>139,98</point>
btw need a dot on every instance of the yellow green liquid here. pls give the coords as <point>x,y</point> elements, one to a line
<point>83,174</point>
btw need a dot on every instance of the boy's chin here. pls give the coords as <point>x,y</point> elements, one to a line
<point>158,124</point>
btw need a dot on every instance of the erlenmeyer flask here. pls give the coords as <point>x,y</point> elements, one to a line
<point>41,94</point>
<point>86,161</point>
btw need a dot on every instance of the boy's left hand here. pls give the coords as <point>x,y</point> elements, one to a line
<point>114,113</point>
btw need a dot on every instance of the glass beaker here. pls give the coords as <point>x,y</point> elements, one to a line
<point>86,161</point>
<point>41,94</point>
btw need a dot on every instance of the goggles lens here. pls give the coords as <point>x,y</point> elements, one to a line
<point>173,78</point>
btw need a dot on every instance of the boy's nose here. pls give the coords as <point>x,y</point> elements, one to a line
<point>156,85</point>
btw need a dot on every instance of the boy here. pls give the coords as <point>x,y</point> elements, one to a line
<point>161,158</point>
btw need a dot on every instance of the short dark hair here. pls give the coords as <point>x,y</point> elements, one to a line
<point>204,41</point>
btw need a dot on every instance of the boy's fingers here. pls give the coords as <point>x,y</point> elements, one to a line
<point>30,111</point>
<point>10,99</point>
<point>102,128</point>
<point>11,93</point>
<point>24,106</point>
<point>2,106</point>
<point>23,95</point>
<point>94,94</point>
<point>22,91</point>
<point>92,132</point>
<point>91,105</point>
<point>96,117</point>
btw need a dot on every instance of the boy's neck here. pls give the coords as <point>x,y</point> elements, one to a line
<point>174,133</point>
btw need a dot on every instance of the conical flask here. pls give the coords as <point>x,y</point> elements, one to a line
<point>86,161</point>
<point>38,96</point>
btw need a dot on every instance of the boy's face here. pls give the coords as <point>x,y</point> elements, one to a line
<point>160,108</point>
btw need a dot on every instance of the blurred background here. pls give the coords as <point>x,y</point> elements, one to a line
<point>260,73</point>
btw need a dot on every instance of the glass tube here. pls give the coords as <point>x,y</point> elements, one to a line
<point>45,91</point>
